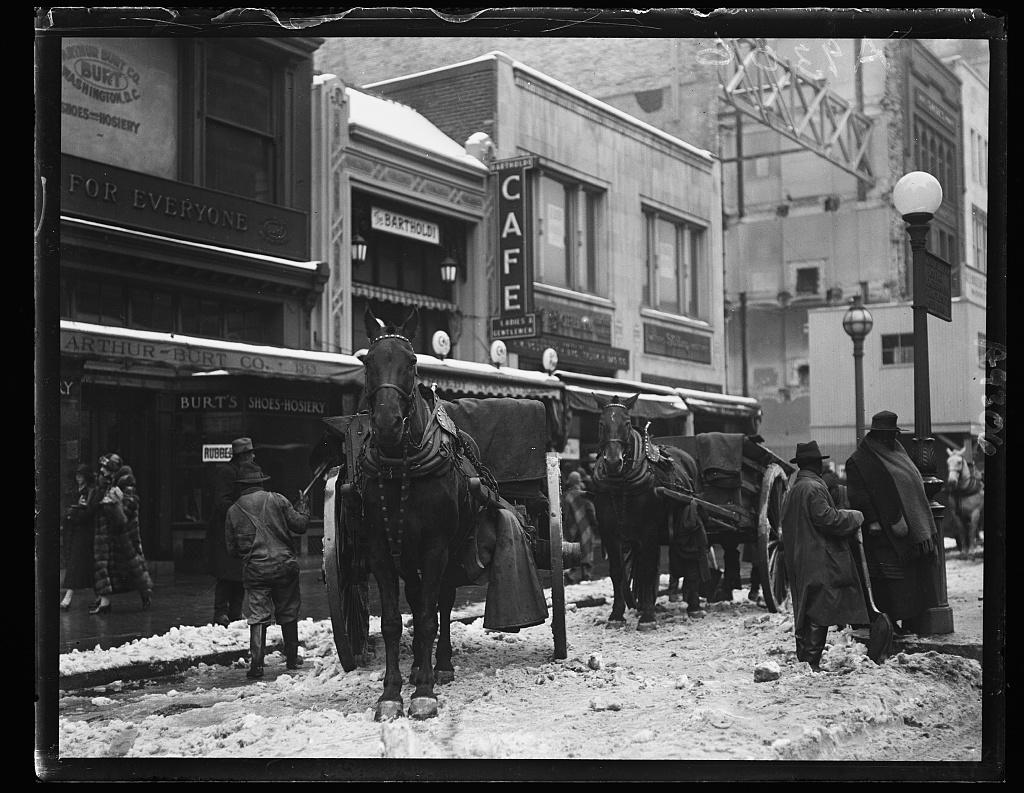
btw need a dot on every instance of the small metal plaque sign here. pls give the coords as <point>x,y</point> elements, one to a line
<point>935,291</point>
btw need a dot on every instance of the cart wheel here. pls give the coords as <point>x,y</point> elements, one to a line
<point>345,574</point>
<point>774,580</point>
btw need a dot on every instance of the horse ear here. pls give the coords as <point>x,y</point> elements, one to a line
<point>949,452</point>
<point>373,325</point>
<point>631,401</point>
<point>411,323</point>
<point>602,401</point>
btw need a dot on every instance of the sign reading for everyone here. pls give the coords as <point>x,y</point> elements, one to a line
<point>572,352</point>
<point>515,273</point>
<point>405,226</point>
<point>935,290</point>
<point>575,323</point>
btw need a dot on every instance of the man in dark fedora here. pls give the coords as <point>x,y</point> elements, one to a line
<point>259,531</point>
<point>228,590</point>
<point>900,538</point>
<point>822,570</point>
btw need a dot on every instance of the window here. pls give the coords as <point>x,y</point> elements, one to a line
<point>897,348</point>
<point>676,266</point>
<point>150,309</point>
<point>240,139</point>
<point>980,231</point>
<point>807,280</point>
<point>568,253</point>
<point>936,154</point>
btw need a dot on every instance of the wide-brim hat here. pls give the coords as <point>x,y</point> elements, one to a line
<point>808,451</point>
<point>250,474</point>
<point>239,445</point>
<point>885,421</point>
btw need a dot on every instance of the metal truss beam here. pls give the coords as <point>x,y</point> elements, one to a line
<point>769,90</point>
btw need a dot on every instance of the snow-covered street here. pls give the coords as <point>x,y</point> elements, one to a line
<point>684,691</point>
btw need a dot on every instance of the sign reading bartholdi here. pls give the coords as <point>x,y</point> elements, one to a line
<point>128,198</point>
<point>405,226</point>
<point>515,271</point>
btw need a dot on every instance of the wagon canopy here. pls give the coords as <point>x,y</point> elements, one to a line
<point>655,402</point>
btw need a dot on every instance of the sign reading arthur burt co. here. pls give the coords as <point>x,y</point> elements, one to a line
<point>128,198</point>
<point>515,271</point>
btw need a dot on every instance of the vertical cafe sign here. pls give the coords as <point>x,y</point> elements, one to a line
<point>515,271</point>
<point>119,100</point>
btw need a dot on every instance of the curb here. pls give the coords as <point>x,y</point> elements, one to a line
<point>923,644</point>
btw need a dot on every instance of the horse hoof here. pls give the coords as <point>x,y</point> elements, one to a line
<point>388,710</point>
<point>613,623</point>
<point>423,707</point>
<point>646,626</point>
<point>443,676</point>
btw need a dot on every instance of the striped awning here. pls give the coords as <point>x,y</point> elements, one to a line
<point>388,295</point>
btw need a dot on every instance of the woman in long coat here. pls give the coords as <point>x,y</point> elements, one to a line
<point>79,528</point>
<point>119,562</point>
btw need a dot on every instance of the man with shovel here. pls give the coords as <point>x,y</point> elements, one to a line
<point>822,569</point>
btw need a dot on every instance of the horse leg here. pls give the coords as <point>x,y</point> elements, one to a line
<point>444,672</point>
<point>414,597</point>
<point>423,704</point>
<point>389,706</point>
<point>617,618</point>
<point>646,575</point>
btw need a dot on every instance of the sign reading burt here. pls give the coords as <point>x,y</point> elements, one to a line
<point>515,271</point>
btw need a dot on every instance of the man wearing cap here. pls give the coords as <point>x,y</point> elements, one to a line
<point>822,570</point>
<point>259,531</point>
<point>900,538</point>
<point>579,522</point>
<point>228,591</point>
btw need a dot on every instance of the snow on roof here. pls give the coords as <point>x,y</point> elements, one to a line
<point>401,122</point>
<point>583,97</point>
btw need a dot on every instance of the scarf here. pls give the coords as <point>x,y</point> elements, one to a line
<point>913,500</point>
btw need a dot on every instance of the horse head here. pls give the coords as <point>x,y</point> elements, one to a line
<point>955,467</point>
<point>614,432</point>
<point>390,378</point>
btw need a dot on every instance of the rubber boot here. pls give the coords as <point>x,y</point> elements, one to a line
<point>290,633</point>
<point>815,639</point>
<point>257,647</point>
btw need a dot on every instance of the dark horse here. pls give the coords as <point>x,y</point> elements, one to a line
<point>417,509</point>
<point>631,519</point>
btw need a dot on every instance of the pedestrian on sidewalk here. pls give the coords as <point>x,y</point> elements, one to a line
<point>579,522</point>
<point>900,541</point>
<point>119,561</point>
<point>822,569</point>
<point>228,590</point>
<point>259,531</point>
<point>79,532</point>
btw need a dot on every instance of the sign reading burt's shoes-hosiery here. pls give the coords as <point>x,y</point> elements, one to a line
<point>515,268</point>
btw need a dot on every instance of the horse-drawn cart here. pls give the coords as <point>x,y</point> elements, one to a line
<point>514,480</point>
<point>740,491</point>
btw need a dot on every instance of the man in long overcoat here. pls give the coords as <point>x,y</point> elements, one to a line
<point>822,570</point>
<point>900,538</point>
<point>228,590</point>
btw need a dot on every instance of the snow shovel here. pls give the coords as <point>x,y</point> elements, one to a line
<point>880,640</point>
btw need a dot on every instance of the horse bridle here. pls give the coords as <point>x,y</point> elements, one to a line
<point>405,396</point>
<point>625,444</point>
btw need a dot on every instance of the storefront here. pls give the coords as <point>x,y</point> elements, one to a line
<point>171,404</point>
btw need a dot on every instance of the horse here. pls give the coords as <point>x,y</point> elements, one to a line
<point>418,511</point>
<point>965,500</point>
<point>631,518</point>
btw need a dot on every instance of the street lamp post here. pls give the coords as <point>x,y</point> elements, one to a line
<point>917,196</point>
<point>857,322</point>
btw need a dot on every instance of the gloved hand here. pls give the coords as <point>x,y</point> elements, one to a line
<point>874,527</point>
<point>301,503</point>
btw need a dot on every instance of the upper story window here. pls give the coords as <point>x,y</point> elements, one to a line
<point>980,231</point>
<point>568,253</point>
<point>897,348</point>
<point>676,274</point>
<point>241,141</point>
<point>935,153</point>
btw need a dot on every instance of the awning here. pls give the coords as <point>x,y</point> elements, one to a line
<point>726,405</point>
<point>654,402</point>
<point>388,295</point>
<point>467,378</point>
<point>190,355</point>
